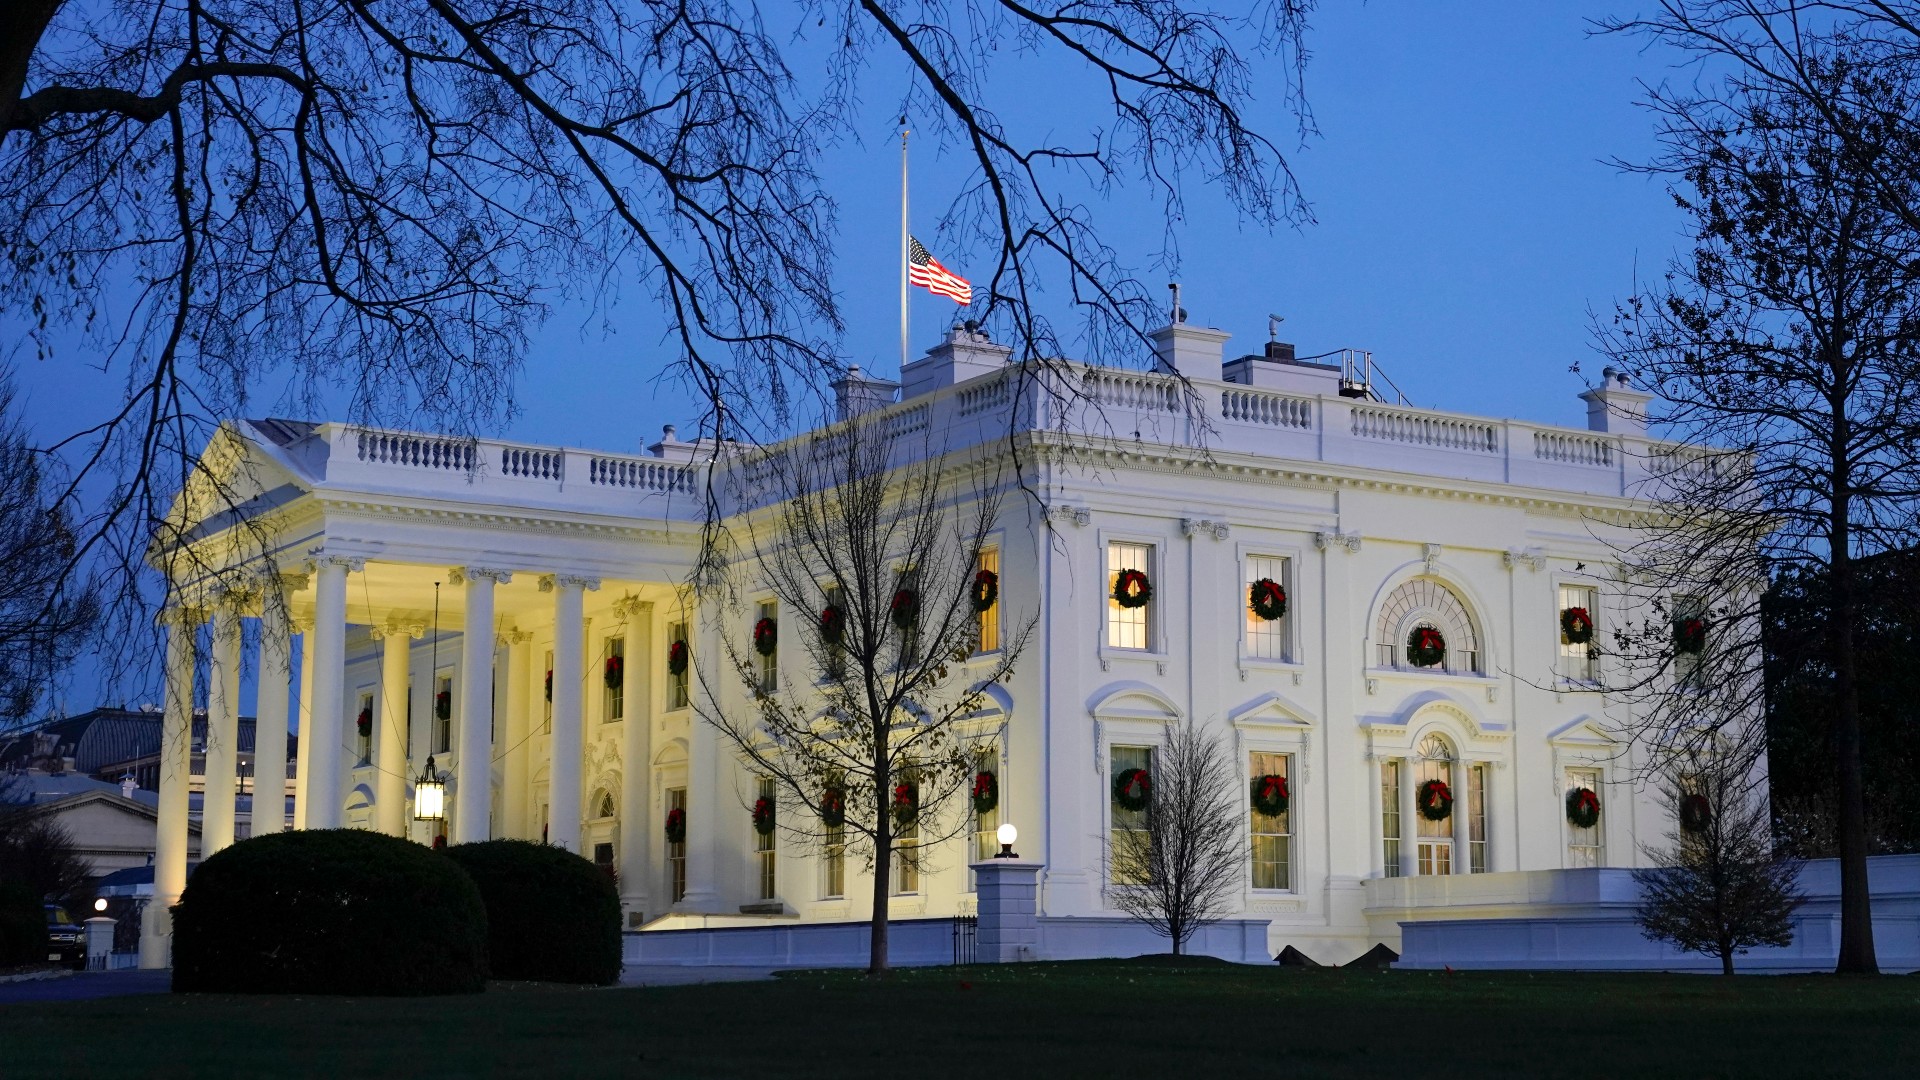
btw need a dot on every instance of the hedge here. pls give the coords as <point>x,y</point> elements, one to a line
<point>331,911</point>
<point>552,916</point>
<point>23,927</point>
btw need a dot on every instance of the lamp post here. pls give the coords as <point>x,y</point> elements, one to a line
<point>430,799</point>
<point>1006,834</point>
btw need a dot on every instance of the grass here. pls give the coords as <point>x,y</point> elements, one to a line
<point>1097,1018</point>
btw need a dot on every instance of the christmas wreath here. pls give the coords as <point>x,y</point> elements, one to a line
<point>906,802</point>
<point>986,792</point>
<point>1696,813</point>
<point>763,815</point>
<point>1267,599</point>
<point>1131,589</point>
<point>1576,625</point>
<point>1583,808</point>
<point>833,808</point>
<point>1132,790</point>
<point>905,608</point>
<point>833,624</point>
<point>365,722</point>
<point>1270,795</point>
<point>986,589</point>
<point>614,671</point>
<point>677,658</point>
<point>676,826</point>
<point>549,684</point>
<point>1690,636</point>
<point>766,637</point>
<point>443,705</point>
<point>1436,800</point>
<point>1426,647</point>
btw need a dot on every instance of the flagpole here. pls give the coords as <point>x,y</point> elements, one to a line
<point>903,244</point>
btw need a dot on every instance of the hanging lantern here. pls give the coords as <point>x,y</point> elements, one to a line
<point>429,795</point>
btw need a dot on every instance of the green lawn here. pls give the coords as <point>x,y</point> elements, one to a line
<point>1118,1020</point>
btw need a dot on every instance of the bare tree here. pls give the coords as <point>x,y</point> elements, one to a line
<point>380,202</point>
<point>46,612</point>
<point>36,851</point>
<point>873,549</point>
<point>1180,862</point>
<point>1718,887</point>
<point>1784,351</point>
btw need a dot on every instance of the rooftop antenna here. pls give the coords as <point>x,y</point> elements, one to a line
<point>1273,326</point>
<point>1178,315</point>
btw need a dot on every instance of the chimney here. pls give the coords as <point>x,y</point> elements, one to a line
<point>1193,351</point>
<point>855,393</point>
<point>128,785</point>
<point>966,354</point>
<point>1615,406</point>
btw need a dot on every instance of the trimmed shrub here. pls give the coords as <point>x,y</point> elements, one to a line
<point>330,911</point>
<point>23,927</point>
<point>552,916</point>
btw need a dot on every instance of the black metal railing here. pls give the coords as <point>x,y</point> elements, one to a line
<point>965,929</point>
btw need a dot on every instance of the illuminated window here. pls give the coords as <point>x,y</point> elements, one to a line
<point>1272,833</point>
<point>1266,638</point>
<point>990,618</point>
<point>1128,627</point>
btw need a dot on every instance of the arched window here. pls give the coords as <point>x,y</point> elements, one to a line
<point>1424,602</point>
<point>1433,762</point>
<point>603,805</point>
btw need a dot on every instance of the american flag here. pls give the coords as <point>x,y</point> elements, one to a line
<point>925,271</point>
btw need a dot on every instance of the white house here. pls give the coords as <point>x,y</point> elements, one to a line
<point>433,582</point>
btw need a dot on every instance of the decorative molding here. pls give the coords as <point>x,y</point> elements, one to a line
<point>1219,530</point>
<point>630,606</point>
<point>1430,554</point>
<point>1326,538</point>
<point>319,559</point>
<point>1079,515</point>
<point>1373,687</point>
<point>1532,558</point>
<point>549,582</point>
<point>511,636</point>
<point>398,628</point>
<point>1493,693</point>
<point>462,575</point>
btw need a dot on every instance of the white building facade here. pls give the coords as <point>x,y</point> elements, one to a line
<point>472,601</point>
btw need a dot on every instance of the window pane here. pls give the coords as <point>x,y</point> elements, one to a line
<point>1390,818</point>
<point>769,663</point>
<point>1583,845</point>
<point>1126,821</point>
<point>1477,818</point>
<point>677,684</point>
<point>1266,639</point>
<point>617,695</point>
<point>990,618</point>
<point>1272,834</point>
<point>763,844</point>
<point>1578,660</point>
<point>1127,628</point>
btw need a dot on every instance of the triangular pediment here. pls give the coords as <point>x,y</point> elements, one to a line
<point>1582,731</point>
<point>1271,709</point>
<point>238,476</point>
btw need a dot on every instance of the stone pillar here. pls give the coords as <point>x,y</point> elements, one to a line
<point>270,714</point>
<point>473,739</point>
<point>302,759</point>
<point>1462,819</point>
<point>223,730</point>
<point>1009,929</point>
<point>636,757</point>
<point>392,767</point>
<point>327,720</point>
<point>1409,816</point>
<point>515,775</point>
<point>704,762</point>
<point>176,762</point>
<point>99,942</point>
<point>569,672</point>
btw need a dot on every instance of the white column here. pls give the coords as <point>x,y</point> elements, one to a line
<point>569,672</point>
<point>515,772</point>
<point>1409,816</point>
<point>636,756</point>
<point>1462,819</point>
<point>473,740</point>
<point>327,720</point>
<point>270,715</point>
<point>176,761</point>
<point>392,769</point>
<point>704,811</point>
<point>223,730</point>
<point>302,762</point>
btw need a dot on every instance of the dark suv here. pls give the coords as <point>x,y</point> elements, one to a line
<point>66,939</point>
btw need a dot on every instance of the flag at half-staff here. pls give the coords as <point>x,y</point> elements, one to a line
<point>925,271</point>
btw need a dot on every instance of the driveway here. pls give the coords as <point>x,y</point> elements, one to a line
<point>85,985</point>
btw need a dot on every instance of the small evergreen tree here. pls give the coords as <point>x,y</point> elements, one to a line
<point>1722,889</point>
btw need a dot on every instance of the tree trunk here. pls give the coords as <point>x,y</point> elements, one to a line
<point>22,23</point>
<point>1856,912</point>
<point>1726,960</point>
<point>882,843</point>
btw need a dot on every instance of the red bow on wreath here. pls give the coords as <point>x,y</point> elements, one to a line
<point>980,783</point>
<point>1275,786</point>
<point>903,795</point>
<point>1587,800</point>
<point>1438,792</point>
<point>1426,637</point>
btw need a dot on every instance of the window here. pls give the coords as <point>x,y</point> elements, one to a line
<point>443,713</point>
<point>1434,854</point>
<point>768,664</point>
<point>990,618</point>
<point>1272,834</point>
<point>833,869</point>
<point>986,824</point>
<point>909,581</point>
<point>1426,602</point>
<point>836,654</point>
<point>1477,819</point>
<point>1686,665</point>
<point>1128,628</point>
<point>677,682</point>
<point>1580,661</point>
<point>764,852</point>
<point>365,733</point>
<point>616,696</point>
<point>1126,823</point>
<point>547,706</point>
<point>677,850</point>
<point>1266,638</point>
<point>906,846</point>
<point>1583,845</point>
<point>1390,818</point>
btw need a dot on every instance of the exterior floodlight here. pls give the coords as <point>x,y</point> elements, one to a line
<point>1007,834</point>
<point>100,904</point>
<point>429,795</point>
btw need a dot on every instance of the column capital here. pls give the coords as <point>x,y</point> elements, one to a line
<point>550,582</point>
<point>187,615</point>
<point>630,605</point>
<point>1327,538</point>
<point>1532,558</point>
<point>320,560</point>
<point>398,628</point>
<point>511,636</point>
<point>461,575</point>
